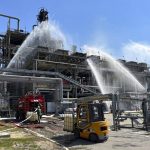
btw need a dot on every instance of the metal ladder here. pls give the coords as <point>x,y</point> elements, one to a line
<point>77,83</point>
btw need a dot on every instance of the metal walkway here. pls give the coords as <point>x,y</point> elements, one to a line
<point>76,83</point>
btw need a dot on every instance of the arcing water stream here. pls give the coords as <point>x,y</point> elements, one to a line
<point>49,35</point>
<point>120,71</point>
<point>98,77</point>
<point>46,34</point>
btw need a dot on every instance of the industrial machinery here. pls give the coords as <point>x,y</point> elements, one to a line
<point>87,121</point>
<point>28,104</point>
<point>43,15</point>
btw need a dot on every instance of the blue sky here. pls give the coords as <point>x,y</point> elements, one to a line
<point>115,25</point>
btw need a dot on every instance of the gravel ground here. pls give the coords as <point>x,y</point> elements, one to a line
<point>124,139</point>
<point>20,139</point>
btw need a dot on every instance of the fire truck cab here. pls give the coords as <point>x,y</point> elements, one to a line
<point>29,103</point>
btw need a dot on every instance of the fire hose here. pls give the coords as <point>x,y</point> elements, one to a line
<point>21,123</point>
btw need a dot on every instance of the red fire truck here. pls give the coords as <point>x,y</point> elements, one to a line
<point>29,103</point>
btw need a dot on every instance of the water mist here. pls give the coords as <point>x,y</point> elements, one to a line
<point>46,34</point>
<point>120,71</point>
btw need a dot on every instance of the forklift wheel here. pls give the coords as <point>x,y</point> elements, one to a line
<point>17,115</point>
<point>93,137</point>
<point>76,134</point>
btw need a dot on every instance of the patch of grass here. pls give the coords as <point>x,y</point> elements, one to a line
<point>18,144</point>
<point>4,128</point>
<point>79,148</point>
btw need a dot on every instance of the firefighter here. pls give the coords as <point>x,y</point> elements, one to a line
<point>39,113</point>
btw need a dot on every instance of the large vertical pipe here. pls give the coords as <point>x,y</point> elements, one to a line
<point>8,27</point>
<point>59,90</point>
<point>114,111</point>
<point>18,23</point>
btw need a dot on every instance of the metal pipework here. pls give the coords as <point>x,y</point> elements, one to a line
<point>10,17</point>
<point>49,73</point>
<point>31,79</point>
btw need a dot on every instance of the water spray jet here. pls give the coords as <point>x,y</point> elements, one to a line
<point>119,70</point>
<point>46,34</point>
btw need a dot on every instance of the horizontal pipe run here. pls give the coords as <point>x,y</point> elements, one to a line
<point>9,17</point>
<point>30,79</point>
<point>13,70</point>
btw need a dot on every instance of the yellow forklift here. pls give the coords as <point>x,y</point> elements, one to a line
<point>88,120</point>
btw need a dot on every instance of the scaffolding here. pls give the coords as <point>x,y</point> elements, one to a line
<point>137,115</point>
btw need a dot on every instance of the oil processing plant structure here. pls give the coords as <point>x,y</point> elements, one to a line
<point>57,73</point>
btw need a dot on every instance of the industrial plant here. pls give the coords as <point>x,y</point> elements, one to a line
<point>36,66</point>
<point>54,62</point>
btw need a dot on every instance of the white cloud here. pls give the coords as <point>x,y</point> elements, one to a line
<point>136,51</point>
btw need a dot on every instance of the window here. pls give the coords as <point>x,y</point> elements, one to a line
<point>83,112</point>
<point>95,112</point>
<point>83,117</point>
